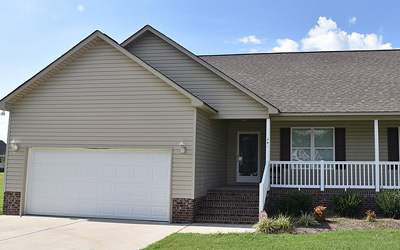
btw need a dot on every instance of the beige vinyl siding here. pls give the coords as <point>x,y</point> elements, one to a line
<point>210,163</point>
<point>359,137</point>
<point>235,126</point>
<point>228,100</point>
<point>104,99</point>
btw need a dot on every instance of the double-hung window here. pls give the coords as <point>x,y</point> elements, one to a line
<point>312,144</point>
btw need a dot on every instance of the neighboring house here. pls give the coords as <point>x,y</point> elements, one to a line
<point>2,154</point>
<point>148,130</point>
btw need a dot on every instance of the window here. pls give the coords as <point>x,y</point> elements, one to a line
<point>312,144</point>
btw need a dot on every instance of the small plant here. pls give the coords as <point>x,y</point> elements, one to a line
<point>296,203</point>
<point>284,223</point>
<point>388,201</point>
<point>262,215</point>
<point>319,213</point>
<point>347,205</point>
<point>281,223</point>
<point>307,219</point>
<point>266,226</point>
<point>371,216</point>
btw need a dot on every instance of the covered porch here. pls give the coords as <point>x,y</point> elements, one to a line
<point>277,156</point>
<point>342,154</point>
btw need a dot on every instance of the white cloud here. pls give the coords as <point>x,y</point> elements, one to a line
<point>249,39</point>
<point>286,45</point>
<point>327,36</point>
<point>324,36</point>
<point>352,20</point>
<point>81,8</point>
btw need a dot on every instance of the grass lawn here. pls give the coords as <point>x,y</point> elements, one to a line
<point>1,192</point>
<point>350,239</point>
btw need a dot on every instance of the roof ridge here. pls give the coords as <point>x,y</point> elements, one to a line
<point>302,52</point>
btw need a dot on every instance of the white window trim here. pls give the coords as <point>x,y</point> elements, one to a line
<point>312,146</point>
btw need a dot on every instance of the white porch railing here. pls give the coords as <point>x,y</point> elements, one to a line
<point>264,187</point>
<point>331,174</point>
<point>389,175</point>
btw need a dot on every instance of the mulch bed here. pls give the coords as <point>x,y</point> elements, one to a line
<point>337,224</point>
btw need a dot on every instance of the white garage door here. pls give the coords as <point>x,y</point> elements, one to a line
<point>99,183</point>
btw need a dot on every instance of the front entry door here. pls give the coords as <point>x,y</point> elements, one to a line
<point>248,157</point>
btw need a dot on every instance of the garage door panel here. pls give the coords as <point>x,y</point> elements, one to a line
<point>72,191</point>
<point>159,193</point>
<point>89,173</point>
<point>40,189</point>
<point>99,183</point>
<point>122,192</point>
<point>140,192</point>
<point>46,171</point>
<point>159,211</point>
<point>124,173</point>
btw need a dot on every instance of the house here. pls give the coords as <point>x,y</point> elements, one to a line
<point>147,130</point>
<point>2,154</point>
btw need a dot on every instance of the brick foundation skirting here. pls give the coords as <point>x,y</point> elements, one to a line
<point>12,203</point>
<point>184,209</point>
<point>323,198</point>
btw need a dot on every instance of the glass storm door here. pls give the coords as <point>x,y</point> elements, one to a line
<point>248,157</point>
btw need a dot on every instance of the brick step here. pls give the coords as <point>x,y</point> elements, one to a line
<point>227,211</point>
<point>229,204</point>
<point>219,197</point>
<point>226,219</point>
<point>234,191</point>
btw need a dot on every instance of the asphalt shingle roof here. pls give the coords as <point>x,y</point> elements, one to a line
<point>347,81</point>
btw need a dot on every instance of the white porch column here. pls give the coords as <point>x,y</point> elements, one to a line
<point>267,149</point>
<point>376,142</point>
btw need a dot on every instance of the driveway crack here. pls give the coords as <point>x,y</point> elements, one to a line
<point>42,230</point>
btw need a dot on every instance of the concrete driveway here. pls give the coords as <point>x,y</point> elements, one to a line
<point>35,232</point>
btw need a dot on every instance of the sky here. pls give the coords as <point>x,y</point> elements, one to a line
<point>33,33</point>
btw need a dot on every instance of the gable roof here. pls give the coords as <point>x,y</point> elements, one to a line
<point>74,53</point>
<point>312,82</point>
<point>271,108</point>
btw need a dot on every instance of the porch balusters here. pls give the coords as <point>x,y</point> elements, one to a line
<point>322,181</point>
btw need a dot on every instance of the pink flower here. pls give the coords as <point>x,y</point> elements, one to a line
<point>263,215</point>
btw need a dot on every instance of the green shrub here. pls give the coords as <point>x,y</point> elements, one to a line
<point>296,203</point>
<point>307,219</point>
<point>388,201</point>
<point>347,205</point>
<point>281,223</point>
